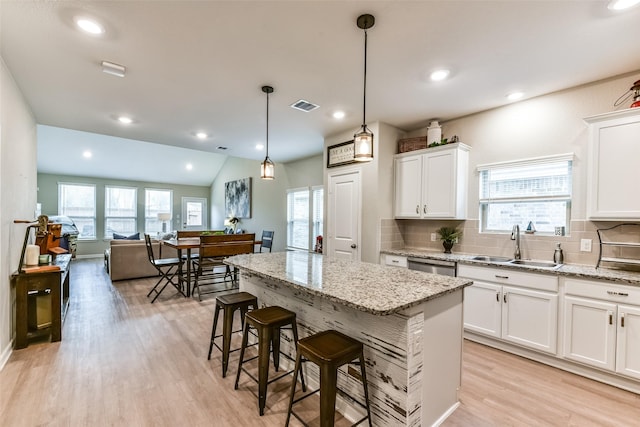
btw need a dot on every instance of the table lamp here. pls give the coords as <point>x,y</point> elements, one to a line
<point>164,217</point>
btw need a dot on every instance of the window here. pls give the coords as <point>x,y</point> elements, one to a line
<point>157,202</point>
<point>78,202</point>
<point>120,211</point>
<point>304,216</point>
<point>535,190</point>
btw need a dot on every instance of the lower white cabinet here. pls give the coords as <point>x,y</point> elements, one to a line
<point>393,260</point>
<point>604,332</point>
<point>518,307</point>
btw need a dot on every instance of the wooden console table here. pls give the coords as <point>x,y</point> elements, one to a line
<point>55,281</point>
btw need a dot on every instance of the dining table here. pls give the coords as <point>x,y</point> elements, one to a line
<point>186,244</point>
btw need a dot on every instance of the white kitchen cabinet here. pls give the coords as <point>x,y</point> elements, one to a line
<point>602,327</point>
<point>514,306</point>
<point>432,183</point>
<point>612,165</point>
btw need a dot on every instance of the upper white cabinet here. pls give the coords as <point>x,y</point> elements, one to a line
<point>432,183</point>
<point>614,150</point>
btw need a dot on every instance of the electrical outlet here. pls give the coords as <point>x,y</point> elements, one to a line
<point>434,237</point>
<point>585,245</point>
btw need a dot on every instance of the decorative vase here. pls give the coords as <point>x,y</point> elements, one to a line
<point>434,133</point>
<point>447,246</point>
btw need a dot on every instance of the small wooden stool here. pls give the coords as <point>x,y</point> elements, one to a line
<point>267,321</point>
<point>229,303</point>
<point>329,350</point>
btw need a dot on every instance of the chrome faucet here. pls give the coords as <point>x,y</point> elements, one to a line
<point>515,235</point>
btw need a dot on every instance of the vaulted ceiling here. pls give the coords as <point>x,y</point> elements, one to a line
<point>198,66</point>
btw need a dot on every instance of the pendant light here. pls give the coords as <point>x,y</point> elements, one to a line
<point>267,168</point>
<point>363,140</point>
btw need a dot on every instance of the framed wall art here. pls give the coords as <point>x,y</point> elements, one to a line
<point>237,198</point>
<point>340,154</point>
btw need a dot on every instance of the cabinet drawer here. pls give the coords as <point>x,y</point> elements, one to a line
<point>506,276</point>
<point>395,260</point>
<point>603,291</point>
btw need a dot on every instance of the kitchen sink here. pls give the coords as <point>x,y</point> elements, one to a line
<point>529,263</point>
<point>489,258</point>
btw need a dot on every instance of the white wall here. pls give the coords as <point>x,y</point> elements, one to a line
<point>376,182</point>
<point>268,198</point>
<point>547,125</point>
<point>18,181</point>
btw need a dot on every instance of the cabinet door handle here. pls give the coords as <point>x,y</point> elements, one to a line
<point>501,277</point>
<point>424,209</point>
<point>504,297</point>
<point>395,261</point>
<point>622,320</point>
<point>498,296</point>
<point>620,294</point>
<point>417,209</point>
<point>610,318</point>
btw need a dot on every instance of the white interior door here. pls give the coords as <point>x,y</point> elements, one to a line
<point>194,213</point>
<point>343,215</point>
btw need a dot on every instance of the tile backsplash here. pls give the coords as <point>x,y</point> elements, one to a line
<point>396,234</point>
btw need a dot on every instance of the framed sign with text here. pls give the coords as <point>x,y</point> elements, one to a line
<point>340,154</point>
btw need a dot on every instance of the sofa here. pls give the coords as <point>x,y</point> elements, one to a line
<point>128,259</point>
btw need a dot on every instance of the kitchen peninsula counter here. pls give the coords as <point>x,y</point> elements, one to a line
<point>410,323</point>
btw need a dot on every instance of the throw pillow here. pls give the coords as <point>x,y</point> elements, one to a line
<point>135,236</point>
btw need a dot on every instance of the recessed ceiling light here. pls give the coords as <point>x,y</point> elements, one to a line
<point>89,26</point>
<point>87,154</point>
<point>338,114</point>
<point>125,120</point>
<point>622,4</point>
<point>439,75</point>
<point>201,135</point>
<point>514,96</point>
<point>259,146</point>
<point>189,166</point>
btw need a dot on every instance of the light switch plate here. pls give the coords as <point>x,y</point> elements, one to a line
<point>434,237</point>
<point>585,245</point>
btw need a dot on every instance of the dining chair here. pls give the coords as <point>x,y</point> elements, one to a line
<point>267,240</point>
<point>167,267</point>
<point>209,268</point>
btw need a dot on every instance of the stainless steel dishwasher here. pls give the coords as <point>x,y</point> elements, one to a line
<point>436,266</point>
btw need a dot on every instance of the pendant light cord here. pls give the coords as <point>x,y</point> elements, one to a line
<point>364,98</point>
<point>267,125</point>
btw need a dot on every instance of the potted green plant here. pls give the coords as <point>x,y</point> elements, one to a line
<point>449,236</point>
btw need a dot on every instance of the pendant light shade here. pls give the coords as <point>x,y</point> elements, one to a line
<point>267,168</point>
<point>363,140</point>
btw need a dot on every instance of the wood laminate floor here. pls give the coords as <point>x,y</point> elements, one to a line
<point>126,362</point>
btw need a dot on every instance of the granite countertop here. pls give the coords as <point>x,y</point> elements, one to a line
<point>573,270</point>
<point>372,288</point>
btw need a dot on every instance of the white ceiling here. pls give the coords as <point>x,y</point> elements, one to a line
<point>199,66</point>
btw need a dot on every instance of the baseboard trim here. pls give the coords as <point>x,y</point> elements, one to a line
<point>89,256</point>
<point>559,362</point>
<point>446,415</point>
<point>6,353</point>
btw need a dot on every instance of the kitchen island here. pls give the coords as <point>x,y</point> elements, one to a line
<point>410,323</point>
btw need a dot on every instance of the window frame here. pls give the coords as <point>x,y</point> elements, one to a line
<point>78,219</point>
<point>312,224</point>
<point>485,202</point>
<point>107,187</point>
<point>154,218</point>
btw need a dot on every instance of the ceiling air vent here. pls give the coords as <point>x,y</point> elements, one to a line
<point>303,105</point>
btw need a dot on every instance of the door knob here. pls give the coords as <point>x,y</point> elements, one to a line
<point>353,246</point>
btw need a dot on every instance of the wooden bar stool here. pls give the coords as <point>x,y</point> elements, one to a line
<point>267,321</point>
<point>329,350</point>
<point>229,304</point>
